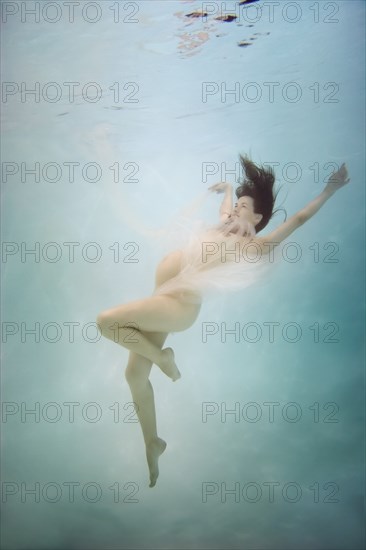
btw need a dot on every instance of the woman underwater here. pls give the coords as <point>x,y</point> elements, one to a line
<point>182,277</point>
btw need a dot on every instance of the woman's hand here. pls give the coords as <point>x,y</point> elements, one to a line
<point>227,203</point>
<point>220,187</point>
<point>337,180</point>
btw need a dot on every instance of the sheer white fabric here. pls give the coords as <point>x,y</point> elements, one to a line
<point>220,258</point>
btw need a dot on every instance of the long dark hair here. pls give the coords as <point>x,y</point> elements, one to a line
<point>258,183</point>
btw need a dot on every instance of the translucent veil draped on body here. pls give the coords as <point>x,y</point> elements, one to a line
<point>216,263</point>
<point>211,262</point>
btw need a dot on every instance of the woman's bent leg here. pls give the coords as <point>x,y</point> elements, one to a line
<point>128,324</point>
<point>137,376</point>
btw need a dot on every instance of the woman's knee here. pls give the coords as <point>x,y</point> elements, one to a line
<point>102,320</point>
<point>105,322</point>
<point>137,374</point>
<point>109,317</point>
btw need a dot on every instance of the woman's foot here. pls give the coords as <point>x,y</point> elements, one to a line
<point>153,451</point>
<point>168,365</point>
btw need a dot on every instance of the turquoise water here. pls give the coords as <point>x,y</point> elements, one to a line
<point>293,451</point>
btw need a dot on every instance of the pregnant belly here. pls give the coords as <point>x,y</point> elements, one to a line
<point>168,268</point>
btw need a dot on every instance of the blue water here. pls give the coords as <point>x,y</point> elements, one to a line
<point>308,446</point>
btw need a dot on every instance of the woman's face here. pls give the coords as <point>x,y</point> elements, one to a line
<point>244,210</point>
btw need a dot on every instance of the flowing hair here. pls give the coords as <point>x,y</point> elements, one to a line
<point>258,183</point>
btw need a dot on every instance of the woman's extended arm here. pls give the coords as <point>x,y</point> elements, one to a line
<point>227,204</point>
<point>336,181</point>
